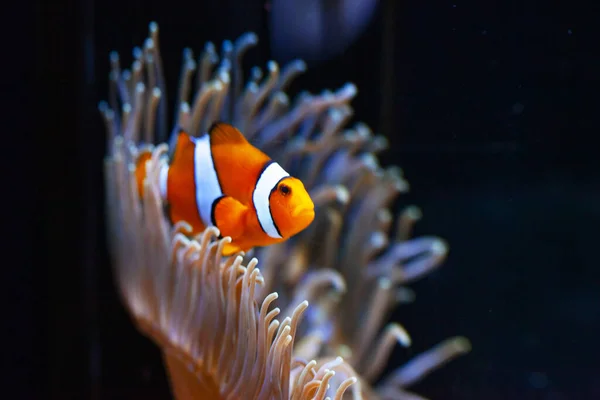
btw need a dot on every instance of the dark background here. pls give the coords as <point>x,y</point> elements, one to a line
<point>490,109</point>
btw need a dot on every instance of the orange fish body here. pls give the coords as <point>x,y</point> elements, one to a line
<point>220,179</point>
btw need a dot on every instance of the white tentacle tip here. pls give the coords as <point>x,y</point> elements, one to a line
<point>439,247</point>
<point>342,194</point>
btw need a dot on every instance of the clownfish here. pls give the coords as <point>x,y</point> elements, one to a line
<point>220,179</point>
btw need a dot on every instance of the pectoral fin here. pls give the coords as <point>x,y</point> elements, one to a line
<point>229,215</point>
<point>230,249</point>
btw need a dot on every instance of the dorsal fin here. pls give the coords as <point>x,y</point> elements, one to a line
<point>180,140</point>
<point>174,140</point>
<point>223,133</point>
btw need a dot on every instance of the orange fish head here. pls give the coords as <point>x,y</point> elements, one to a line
<point>291,206</point>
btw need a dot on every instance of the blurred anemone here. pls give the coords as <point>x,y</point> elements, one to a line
<point>211,315</point>
<point>317,30</point>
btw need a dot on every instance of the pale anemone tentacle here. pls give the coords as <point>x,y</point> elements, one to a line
<point>352,263</point>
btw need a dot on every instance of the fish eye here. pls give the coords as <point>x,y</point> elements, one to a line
<point>285,189</point>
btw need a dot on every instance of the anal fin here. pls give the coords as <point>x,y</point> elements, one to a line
<point>228,215</point>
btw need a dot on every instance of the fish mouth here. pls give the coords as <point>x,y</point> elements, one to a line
<point>304,213</point>
<point>302,217</point>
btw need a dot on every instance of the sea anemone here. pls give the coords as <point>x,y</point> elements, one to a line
<point>336,282</point>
